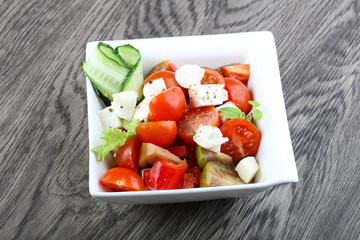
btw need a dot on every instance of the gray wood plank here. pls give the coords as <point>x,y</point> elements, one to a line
<point>43,122</point>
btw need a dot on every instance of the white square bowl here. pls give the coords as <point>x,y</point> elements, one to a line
<point>275,155</point>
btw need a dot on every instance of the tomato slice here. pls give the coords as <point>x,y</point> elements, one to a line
<point>168,105</point>
<point>239,94</point>
<point>244,138</point>
<point>127,155</point>
<point>122,179</point>
<point>160,133</point>
<point>192,119</point>
<point>212,76</point>
<point>239,71</point>
<point>179,151</point>
<point>165,175</point>
<point>188,181</point>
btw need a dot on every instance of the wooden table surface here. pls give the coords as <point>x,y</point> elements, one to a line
<point>44,134</point>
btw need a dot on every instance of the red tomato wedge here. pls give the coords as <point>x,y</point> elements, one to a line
<point>191,156</point>
<point>239,71</point>
<point>239,94</point>
<point>179,151</point>
<point>212,76</point>
<point>244,138</point>
<point>127,155</point>
<point>192,119</point>
<point>165,175</point>
<point>172,67</point>
<point>161,133</point>
<point>122,179</point>
<point>197,173</point>
<point>188,181</point>
<point>145,176</point>
<point>168,105</point>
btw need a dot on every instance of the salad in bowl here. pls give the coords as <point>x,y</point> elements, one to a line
<point>186,130</point>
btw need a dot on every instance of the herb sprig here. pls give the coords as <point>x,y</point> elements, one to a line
<point>231,112</point>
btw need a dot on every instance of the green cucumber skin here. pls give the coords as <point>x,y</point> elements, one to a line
<point>111,53</point>
<point>128,54</point>
<point>122,60</point>
<point>134,80</point>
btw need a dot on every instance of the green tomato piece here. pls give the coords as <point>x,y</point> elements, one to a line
<point>203,156</point>
<point>217,174</point>
<point>149,153</point>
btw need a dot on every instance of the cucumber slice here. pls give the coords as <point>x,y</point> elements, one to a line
<point>134,80</point>
<point>105,73</point>
<point>128,54</point>
<point>110,53</point>
<point>112,71</point>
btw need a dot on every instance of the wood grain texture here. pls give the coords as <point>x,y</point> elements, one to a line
<point>43,123</point>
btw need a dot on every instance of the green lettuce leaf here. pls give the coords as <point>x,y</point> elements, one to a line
<point>115,137</point>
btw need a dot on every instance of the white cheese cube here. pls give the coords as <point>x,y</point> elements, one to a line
<point>124,104</point>
<point>209,137</point>
<point>189,75</point>
<point>247,168</point>
<point>206,95</point>
<point>225,95</point>
<point>154,87</point>
<point>109,118</point>
<point>227,104</point>
<point>142,110</point>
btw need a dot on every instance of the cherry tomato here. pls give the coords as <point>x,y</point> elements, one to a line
<point>212,76</point>
<point>192,119</point>
<point>188,181</point>
<point>197,173</point>
<point>244,138</point>
<point>166,175</point>
<point>239,71</point>
<point>179,151</point>
<point>168,105</point>
<point>127,155</point>
<point>161,133</point>
<point>238,94</point>
<point>122,179</point>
